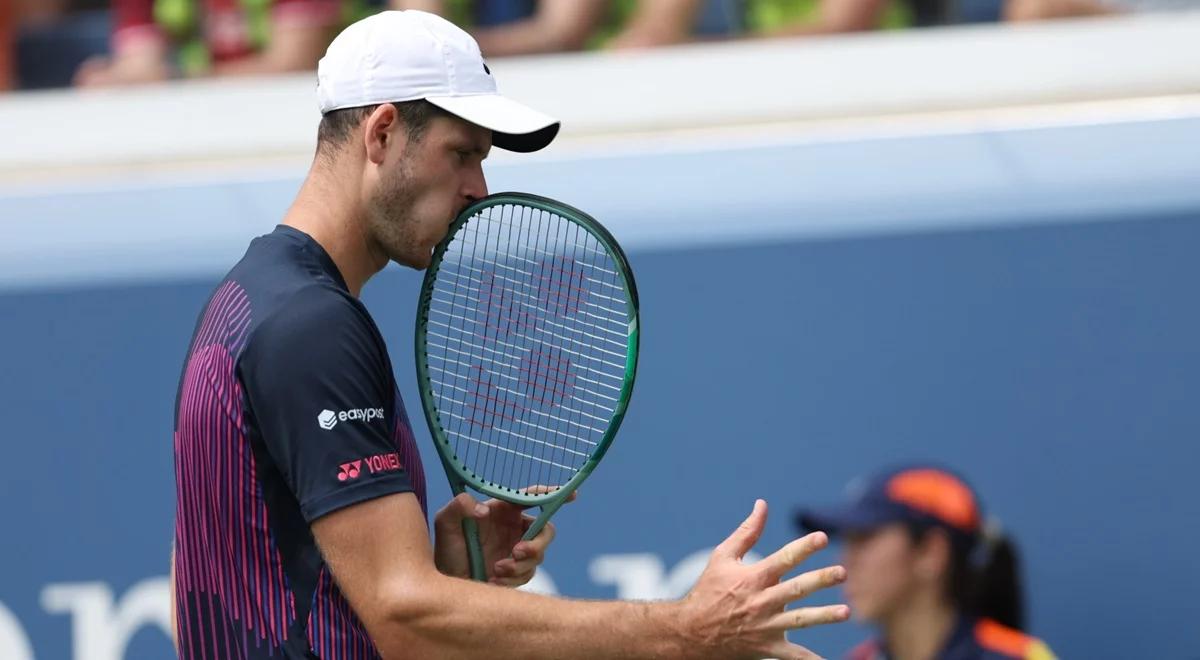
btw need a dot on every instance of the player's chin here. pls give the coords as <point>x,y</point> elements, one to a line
<point>418,259</point>
<point>419,262</point>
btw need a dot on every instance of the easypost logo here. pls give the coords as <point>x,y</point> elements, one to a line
<point>328,419</point>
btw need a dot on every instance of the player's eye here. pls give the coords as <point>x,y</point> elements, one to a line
<point>463,155</point>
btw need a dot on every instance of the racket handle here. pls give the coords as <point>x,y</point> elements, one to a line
<point>474,550</point>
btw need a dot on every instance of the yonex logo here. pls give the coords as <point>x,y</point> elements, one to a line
<point>351,470</point>
<point>329,419</point>
<point>376,464</point>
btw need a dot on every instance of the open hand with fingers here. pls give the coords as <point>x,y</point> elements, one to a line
<point>739,610</point>
<point>509,560</point>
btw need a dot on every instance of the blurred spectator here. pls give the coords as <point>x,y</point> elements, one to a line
<point>155,40</point>
<point>1036,10</point>
<point>922,567</point>
<point>431,6</point>
<point>7,44</point>
<point>663,22</point>
<point>521,27</point>
<point>811,17</point>
<point>49,39</point>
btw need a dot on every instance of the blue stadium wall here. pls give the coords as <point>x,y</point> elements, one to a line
<point>1020,305</point>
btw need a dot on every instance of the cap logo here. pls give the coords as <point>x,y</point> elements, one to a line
<point>937,494</point>
<point>486,69</point>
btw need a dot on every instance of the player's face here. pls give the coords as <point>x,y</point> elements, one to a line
<point>880,571</point>
<point>422,191</point>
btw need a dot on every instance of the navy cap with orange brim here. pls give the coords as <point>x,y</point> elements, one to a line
<point>915,494</point>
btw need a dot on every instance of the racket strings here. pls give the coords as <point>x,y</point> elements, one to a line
<point>527,340</point>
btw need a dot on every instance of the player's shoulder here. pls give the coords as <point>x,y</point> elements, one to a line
<point>313,311</point>
<point>1001,642</point>
<point>277,264</point>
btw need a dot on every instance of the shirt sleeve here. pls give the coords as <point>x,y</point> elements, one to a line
<point>319,388</point>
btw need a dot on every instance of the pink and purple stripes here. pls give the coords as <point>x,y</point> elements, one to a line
<point>410,455</point>
<point>232,598</point>
<point>334,631</point>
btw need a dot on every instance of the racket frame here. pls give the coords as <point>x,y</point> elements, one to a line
<point>459,476</point>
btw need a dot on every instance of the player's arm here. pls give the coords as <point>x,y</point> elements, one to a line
<point>380,556</point>
<point>557,25</point>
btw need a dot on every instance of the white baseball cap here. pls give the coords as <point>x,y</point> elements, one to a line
<point>396,56</point>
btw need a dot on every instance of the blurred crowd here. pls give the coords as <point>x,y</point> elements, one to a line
<point>57,43</point>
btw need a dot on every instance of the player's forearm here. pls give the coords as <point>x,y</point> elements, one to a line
<point>454,618</point>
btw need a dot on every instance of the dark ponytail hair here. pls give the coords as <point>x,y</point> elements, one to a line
<point>984,579</point>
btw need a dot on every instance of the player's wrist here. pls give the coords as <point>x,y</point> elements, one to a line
<point>673,629</point>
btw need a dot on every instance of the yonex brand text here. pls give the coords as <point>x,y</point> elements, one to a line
<point>375,464</point>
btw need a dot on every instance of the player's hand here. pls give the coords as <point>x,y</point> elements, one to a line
<point>737,610</point>
<point>509,560</point>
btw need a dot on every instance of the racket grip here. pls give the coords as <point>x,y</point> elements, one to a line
<point>474,550</point>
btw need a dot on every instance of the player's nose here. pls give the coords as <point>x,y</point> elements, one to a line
<point>475,187</point>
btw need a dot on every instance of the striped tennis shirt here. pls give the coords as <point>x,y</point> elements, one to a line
<point>287,410</point>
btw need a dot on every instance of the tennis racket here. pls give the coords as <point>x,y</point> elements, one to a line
<point>526,346</point>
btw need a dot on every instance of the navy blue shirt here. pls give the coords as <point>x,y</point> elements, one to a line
<point>287,410</point>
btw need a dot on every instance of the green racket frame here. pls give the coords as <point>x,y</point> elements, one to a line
<point>457,473</point>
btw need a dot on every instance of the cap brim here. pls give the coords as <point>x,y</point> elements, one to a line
<point>515,127</point>
<point>836,521</point>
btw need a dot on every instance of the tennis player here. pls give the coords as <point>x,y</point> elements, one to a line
<point>925,569</point>
<point>301,520</point>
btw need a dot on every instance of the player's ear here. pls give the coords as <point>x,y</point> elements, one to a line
<point>383,129</point>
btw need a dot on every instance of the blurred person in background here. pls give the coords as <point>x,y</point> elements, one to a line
<point>46,40</point>
<point>796,18</point>
<point>7,27</point>
<point>923,567</point>
<point>1037,10</point>
<point>525,27</point>
<point>155,40</point>
<point>651,23</point>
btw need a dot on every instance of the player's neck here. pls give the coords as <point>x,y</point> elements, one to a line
<point>919,630</point>
<point>330,214</point>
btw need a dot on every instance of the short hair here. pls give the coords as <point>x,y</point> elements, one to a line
<point>337,125</point>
